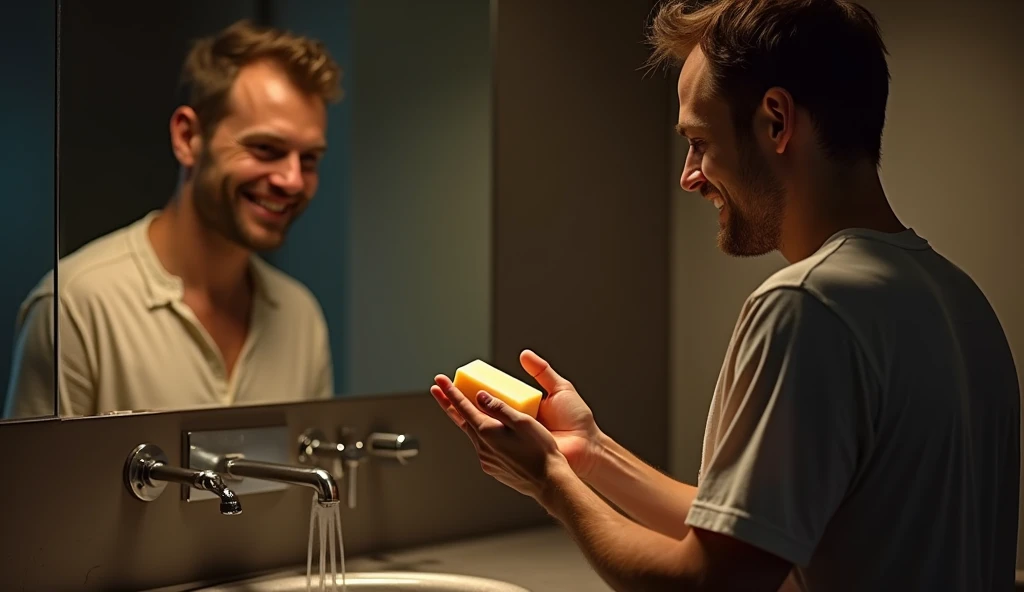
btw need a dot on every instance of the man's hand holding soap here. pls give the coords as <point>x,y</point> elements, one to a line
<point>484,401</point>
<point>478,376</point>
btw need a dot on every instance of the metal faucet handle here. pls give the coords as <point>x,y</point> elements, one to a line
<point>400,447</point>
<point>313,444</point>
<point>147,473</point>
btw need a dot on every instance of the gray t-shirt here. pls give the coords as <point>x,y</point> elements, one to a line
<point>866,424</point>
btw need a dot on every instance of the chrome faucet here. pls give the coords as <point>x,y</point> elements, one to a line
<point>147,472</point>
<point>256,459</point>
<point>350,453</point>
<point>318,479</point>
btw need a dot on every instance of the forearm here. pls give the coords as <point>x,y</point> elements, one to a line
<point>645,494</point>
<point>625,554</point>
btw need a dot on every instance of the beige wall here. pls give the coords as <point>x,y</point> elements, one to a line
<point>951,166</point>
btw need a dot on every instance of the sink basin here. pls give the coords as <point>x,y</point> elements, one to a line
<point>375,581</point>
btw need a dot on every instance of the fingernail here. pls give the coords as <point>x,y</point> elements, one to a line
<point>483,397</point>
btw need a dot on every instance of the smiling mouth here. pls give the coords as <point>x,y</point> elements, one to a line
<point>273,206</point>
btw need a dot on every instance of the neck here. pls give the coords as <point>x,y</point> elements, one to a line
<point>836,199</point>
<point>205,261</point>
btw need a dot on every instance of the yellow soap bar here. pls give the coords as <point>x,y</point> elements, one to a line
<point>478,376</point>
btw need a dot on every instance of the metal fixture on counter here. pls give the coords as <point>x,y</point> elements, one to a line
<point>147,472</point>
<point>349,452</point>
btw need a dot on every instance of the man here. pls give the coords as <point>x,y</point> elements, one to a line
<point>175,310</point>
<point>864,431</point>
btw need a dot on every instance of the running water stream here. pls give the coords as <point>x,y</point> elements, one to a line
<point>326,521</point>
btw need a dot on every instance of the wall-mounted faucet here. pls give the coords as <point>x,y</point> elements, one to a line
<point>349,453</point>
<point>256,460</point>
<point>318,479</point>
<point>147,472</point>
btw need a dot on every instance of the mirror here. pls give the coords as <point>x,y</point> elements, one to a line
<point>28,118</point>
<point>213,253</point>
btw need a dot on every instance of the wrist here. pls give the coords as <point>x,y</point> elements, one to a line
<point>600,445</point>
<point>559,478</point>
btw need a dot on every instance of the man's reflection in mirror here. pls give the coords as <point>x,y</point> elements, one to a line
<point>176,310</point>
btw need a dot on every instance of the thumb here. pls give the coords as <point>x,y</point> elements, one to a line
<point>499,410</point>
<point>542,372</point>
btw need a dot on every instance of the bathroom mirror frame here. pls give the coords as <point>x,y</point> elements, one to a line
<point>262,11</point>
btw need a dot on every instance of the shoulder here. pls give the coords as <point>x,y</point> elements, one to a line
<point>97,267</point>
<point>813,297</point>
<point>93,259</point>
<point>846,290</point>
<point>777,314</point>
<point>850,271</point>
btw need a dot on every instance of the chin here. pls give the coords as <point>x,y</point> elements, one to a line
<point>264,244</point>
<point>257,237</point>
<point>748,246</point>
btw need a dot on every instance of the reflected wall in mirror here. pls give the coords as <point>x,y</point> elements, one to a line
<point>28,242</point>
<point>245,238</point>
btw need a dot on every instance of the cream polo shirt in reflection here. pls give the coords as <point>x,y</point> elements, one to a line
<point>129,342</point>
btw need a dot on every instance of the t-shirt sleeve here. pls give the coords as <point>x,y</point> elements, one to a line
<point>31,386</point>
<point>324,370</point>
<point>795,385</point>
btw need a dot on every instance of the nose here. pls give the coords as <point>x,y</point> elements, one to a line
<point>692,177</point>
<point>288,176</point>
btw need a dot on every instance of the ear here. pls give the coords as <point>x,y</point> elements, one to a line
<point>186,137</point>
<point>777,117</point>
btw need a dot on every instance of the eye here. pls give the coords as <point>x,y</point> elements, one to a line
<point>265,151</point>
<point>697,146</point>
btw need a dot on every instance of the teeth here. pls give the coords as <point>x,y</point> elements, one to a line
<point>719,202</point>
<point>273,207</point>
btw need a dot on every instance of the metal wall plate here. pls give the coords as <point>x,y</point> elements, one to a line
<point>207,450</point>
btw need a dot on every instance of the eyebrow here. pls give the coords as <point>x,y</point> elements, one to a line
<point>681,128</point>
<point>272,138</point>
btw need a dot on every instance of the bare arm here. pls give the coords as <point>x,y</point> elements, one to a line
<point>647,495</point>
<point>630,557</point>
<point>523,454</point>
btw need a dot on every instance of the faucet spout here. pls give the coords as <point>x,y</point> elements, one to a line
<point>318,479</point>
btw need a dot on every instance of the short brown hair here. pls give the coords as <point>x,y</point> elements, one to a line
<point>828,54</point>
<point>212,65</point>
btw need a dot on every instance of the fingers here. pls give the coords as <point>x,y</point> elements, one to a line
<point>499,410</point>
<point>477,419</point>
<point>447,406</point>
<point>542,372</point>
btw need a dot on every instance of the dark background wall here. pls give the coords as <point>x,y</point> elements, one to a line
<point>119,87</point>
<point>582,215</point>
<point>27,119</point>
